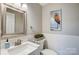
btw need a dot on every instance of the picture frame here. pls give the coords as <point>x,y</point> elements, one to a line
<point>56,20</point>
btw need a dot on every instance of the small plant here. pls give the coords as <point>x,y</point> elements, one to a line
<point>39,36</point>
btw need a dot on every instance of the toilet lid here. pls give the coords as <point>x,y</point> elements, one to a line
<point>48,52</point>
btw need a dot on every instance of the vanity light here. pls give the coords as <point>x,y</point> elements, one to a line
<point>24,5</point>
<point>18,4</point>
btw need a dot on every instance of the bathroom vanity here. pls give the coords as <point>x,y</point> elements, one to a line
<point>26,48</point>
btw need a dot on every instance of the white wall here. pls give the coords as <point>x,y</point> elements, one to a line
<point>34,17</point>
<point>70,18</point>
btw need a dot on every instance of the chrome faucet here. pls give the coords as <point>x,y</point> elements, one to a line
<point>18,42</point>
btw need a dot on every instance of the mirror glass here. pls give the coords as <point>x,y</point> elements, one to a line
<point>10,23</point>
<point>14,22</point>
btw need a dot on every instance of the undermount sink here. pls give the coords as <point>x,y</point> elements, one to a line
<point>23,49</point>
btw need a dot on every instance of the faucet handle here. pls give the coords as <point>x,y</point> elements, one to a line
<point>18,42</point>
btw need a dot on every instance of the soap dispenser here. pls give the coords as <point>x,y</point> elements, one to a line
<point>7,44</point>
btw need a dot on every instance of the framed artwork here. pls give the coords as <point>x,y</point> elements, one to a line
<point>56,20</point>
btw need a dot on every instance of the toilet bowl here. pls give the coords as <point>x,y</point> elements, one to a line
<point>48,52</point>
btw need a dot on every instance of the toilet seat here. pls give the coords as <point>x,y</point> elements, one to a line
<point>48,52</point>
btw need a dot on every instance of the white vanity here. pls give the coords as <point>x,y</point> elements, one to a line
<point>26,48</point>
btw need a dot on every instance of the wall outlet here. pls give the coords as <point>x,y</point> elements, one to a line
<point>31,27</point>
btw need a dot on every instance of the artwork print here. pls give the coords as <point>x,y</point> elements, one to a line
<point>55,20</point>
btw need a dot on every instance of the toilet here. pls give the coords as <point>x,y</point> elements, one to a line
<point>46,51</point>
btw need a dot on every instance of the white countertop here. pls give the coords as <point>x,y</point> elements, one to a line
<point>23,49</point>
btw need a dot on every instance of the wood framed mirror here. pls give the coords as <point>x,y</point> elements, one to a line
<point>13,21</point>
